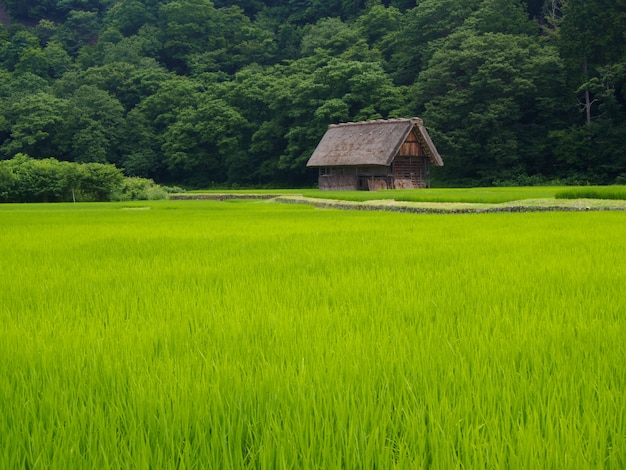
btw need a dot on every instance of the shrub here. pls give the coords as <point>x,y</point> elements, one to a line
<point>173,189</point>
<point>24,179</point>
<point>523,180</point>
<point>7,181</point>
<point>28,180</point>
<point>135,188</point>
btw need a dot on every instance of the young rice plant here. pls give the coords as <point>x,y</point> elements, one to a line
<point>198,334</point>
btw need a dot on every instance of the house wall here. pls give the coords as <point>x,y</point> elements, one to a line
<point>374,178</point>
<point>338,179</point>
<point>406,172</point>
<point>410,172</point>
<point>368,178</point>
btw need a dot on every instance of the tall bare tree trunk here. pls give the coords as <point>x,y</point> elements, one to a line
<point>586,105</point>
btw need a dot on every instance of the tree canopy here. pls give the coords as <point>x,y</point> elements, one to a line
<point>239,92</point>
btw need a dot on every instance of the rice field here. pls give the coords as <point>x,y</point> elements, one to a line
<point>486,195</point>
<point>490,195</point>
<point>592,192</point>
<point>207,334</point>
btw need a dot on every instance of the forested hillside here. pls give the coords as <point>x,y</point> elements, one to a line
<point>238,92</point>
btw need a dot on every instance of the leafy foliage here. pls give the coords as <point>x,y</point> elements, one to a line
<point>24,179</point>
<point>203,93</point>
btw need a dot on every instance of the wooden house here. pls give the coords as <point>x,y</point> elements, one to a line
<point>372,155</point>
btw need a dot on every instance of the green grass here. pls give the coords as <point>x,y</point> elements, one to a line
<point>592,192</point>
<point>477,195</point>
<point>200,334</point>
<point>486,195</point>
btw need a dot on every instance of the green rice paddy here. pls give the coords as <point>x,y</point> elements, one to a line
<point>472,195</point>
<point>592,192</point>
<point>207,334</point>
<point>487,195</point>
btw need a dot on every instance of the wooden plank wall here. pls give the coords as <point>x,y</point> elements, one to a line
<point>338,182</point>
<point>411,147</point>
<point>409,172</point>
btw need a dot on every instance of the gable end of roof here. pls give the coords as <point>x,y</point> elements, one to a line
<point>374,142</point>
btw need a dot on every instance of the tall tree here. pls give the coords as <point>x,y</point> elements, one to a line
<point>591,40</point>
<point>186,28</point>
<point>35,122</point>
<point>491,99</point>
<point>93,128</point>
<point>421,33</point>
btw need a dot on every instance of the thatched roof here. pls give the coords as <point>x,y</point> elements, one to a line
<point>370,143</point>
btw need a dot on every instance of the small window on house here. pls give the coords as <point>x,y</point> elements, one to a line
<point>324,171</point>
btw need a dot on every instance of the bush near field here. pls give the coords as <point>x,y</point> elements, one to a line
<point>134,188</point>
<point>25,179</point>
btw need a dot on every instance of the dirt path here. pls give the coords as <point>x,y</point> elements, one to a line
<point>221,196</point>
<point>528,205</point>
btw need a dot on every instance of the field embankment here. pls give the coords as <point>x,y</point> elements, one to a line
<point>442,202</point>
<point>529,205</point>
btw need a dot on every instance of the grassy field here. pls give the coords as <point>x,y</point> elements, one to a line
<point>473,195</point>
<point>207,334</point>
<point>490,195</point>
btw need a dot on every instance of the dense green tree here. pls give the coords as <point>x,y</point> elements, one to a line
<point>20,85</point>
<point>234,43</point>
<point>93,126</point>
<point>57,60</point>
<point>24,179</point>
<point>303,100</point>
<point>581,43</point>
<point>330,35</point>
<point>34,180</point>
<point>75,5</point>
<point>140,148</point>
<point>35,10</point>
<point>16,42</point>
<point>492,99</point>
<point>162,107</point>
<point>128,82</point>
<point>5,128</point>
<point>199,92</point>
<point>253,94</point>
<point>45,31</point>
<point>100,181</point>
<point>204,144</point>
<point>7,183</point>
<point>112,46</point>
<point>591,40</point>
<point>378,22</point>
<point>34,61</point>
<point>80,28</point>
<point>35,122</point>
<point>30,9</point>
<point>127,16</point>
<point>44,56</point>
<point>421,32</point>
<point>148,126</point>
<point>501,16</point>
<point>186,28</point>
